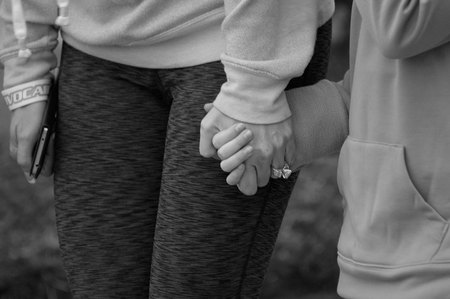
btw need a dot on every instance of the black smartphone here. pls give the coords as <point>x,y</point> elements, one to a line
<point>46,131</point>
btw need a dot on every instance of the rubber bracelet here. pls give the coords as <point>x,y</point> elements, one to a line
<point>26,93</point>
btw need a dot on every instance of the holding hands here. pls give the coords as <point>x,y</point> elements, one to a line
<point>251,153</point>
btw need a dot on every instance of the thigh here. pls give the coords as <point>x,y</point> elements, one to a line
<point>211,241</point>
<point>109,150</point>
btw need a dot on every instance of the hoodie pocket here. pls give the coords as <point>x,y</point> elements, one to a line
<point>386,221</point>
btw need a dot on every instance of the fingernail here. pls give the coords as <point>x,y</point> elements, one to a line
<point>240,127</point>
<point>248,149</point>
<point>30,179</point>
<point>247,133</point>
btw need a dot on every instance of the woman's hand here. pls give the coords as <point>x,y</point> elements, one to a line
<point>24,130</point>
<point>233,149</point>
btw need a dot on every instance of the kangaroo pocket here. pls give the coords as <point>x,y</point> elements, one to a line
<point>386,220</point>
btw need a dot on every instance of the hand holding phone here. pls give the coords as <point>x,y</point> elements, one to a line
<point>46,131</point>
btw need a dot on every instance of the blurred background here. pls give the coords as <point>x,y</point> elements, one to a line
<point>303,265</point>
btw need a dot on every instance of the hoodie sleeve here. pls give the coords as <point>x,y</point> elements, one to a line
<point>319,119</point>
<point>405,28</point>
<point>267,44</point>
<point>41,39</point>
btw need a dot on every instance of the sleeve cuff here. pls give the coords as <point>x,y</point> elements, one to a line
<point>252,98</point>
<point>21,70</point>
<point>320,121</point>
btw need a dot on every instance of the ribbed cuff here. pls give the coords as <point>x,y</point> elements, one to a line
<point>252,98</point>
<point>319,120</point>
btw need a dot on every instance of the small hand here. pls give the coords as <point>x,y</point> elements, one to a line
<point>214,122</point>
<point>233,149</point>
<point>24,130</point>
<point>270,144</point>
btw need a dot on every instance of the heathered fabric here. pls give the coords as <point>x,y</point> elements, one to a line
<point>125,230</point>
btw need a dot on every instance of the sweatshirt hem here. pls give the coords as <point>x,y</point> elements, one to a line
<point>194,48</point>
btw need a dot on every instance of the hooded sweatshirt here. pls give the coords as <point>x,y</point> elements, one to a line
<point>394,166</point>
<point>262,44</point>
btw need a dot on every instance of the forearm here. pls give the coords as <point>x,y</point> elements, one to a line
<point>41,40</point>
<point>320,120</point>
<point>267,44</point>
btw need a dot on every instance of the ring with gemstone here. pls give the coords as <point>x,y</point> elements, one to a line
<point>277,173</point>
<point>286,171</point>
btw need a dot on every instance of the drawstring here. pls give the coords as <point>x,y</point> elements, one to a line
<point>20,28</point>
<point>63,13</point>
<point>20,24</point>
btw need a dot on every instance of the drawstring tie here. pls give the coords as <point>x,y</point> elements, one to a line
<point>63,13</point>
<point>20,24</point>
<point>20,28</point>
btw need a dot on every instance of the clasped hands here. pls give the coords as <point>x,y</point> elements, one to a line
<point>248,152</point>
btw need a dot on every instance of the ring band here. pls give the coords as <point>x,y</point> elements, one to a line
<point>284,173</point>
<point>277,173</point>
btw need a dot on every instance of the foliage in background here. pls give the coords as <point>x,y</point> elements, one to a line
<point>304,259</point>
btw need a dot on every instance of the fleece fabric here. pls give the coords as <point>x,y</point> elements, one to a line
<point>263,44</point>
<point>394,166</point>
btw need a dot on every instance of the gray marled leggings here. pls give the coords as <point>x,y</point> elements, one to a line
<point>139,211</point>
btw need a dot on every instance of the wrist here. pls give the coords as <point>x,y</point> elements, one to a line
<point>252,97</point>
<point>26,93</point>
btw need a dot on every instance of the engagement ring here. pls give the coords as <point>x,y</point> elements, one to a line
<point>284,173</point>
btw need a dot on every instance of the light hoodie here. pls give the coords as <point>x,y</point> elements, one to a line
<point>262,44</point>
<point>394,166</point>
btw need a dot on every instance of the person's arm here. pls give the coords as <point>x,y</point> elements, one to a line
<point>320,126</point>
<point>405,28</point>
<point>26,79</point>
<point>267,44</point>
<point>41,40</point>
<point>320,120</point>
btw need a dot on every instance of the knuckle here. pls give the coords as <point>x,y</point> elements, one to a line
<point>22,162</point>
<point>25,136</point>
<point>265,153</point>
<point>279,140</point>
<point>245,136</point>
<point>258,159</point>
<point>215,142</point>
<point>221,154</point>
<point>205,125</point>
<point>207,153</point>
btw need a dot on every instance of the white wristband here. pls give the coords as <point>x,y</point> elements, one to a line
<point>27,93</point>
